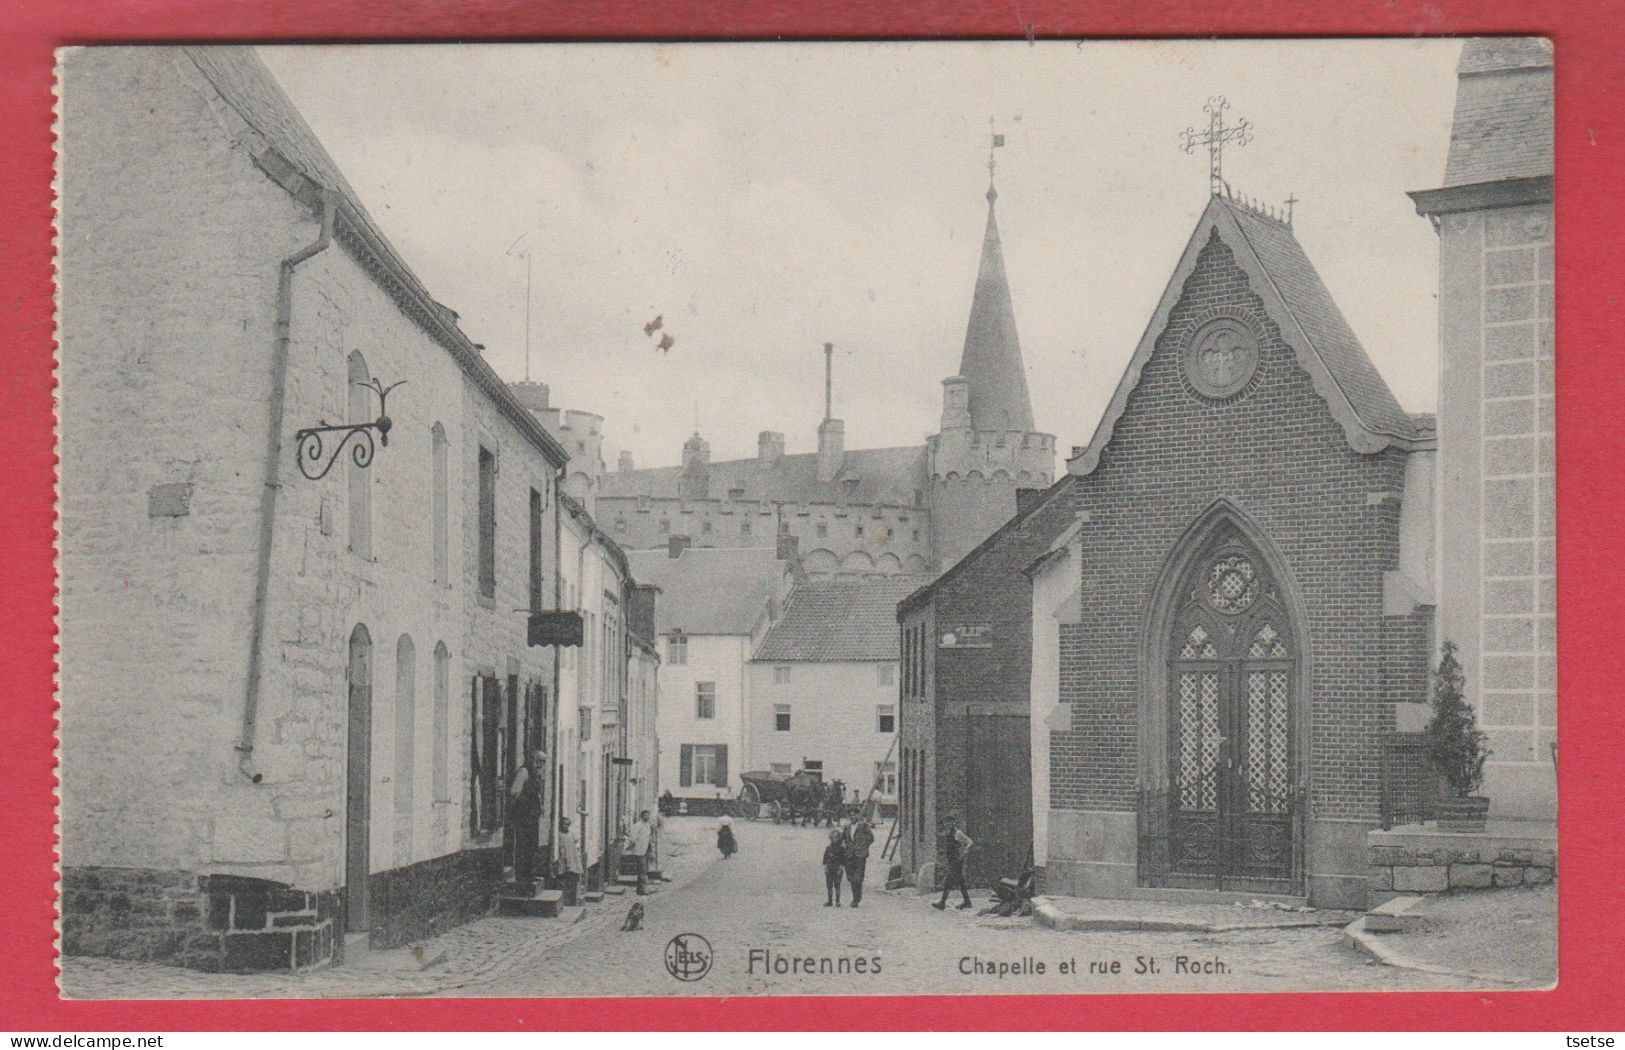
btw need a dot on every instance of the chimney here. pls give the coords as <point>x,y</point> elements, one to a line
<point>831,448</point>
<point>769,447</point>
<point>1077,450</point>
<point>695,481</point>
<point>625,462</point>
<point>676,545</point>
<point>640,611</point>
<point>789,547</point>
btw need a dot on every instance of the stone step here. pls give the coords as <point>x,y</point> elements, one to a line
<point>544,904</point>
<point>1170,895</point>
<point>1391,916</point>
<point>592,896</point>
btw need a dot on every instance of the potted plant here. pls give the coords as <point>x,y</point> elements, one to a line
<point>1456,749</point>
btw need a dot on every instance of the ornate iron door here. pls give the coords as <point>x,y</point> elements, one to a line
<point>1231,807</point>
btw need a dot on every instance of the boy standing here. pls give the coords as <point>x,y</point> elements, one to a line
<point>834,867</point>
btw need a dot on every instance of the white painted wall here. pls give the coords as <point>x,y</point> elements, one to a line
<point>711,658</point>
<point>1054,586</point>
<point>834,718</point>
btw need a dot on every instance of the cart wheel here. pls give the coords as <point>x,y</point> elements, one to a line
<point>749,804</point>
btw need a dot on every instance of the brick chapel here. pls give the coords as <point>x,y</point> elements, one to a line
<point>1254,518</point>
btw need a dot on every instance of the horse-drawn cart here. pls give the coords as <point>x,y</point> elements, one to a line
<point>785,797</point>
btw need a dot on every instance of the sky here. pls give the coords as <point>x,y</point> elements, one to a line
<point>764,199</point>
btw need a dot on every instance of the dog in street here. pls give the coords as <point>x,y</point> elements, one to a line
<point>634,918</point>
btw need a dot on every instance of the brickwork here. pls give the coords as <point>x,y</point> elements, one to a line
<point>1276,454</point>
<point>971,688</point>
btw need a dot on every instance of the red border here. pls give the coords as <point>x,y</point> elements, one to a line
<point>1591,411</point>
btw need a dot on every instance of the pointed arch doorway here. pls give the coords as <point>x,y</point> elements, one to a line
<point>1224,809</point>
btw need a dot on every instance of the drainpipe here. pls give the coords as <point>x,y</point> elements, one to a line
<point>273,470</point>
<point>558,654</point>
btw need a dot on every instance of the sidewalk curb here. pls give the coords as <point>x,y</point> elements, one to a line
<point>1371,944</point>
<point>1047,914</point>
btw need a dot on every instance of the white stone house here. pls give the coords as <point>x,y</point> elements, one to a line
<point>823,684</point>
<point>715,604</point>
<point>289,706</point>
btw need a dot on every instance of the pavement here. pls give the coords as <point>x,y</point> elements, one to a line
<point>1504,937</point>
<point>757,923</point>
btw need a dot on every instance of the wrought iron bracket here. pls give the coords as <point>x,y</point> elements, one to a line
<point>310,448</point>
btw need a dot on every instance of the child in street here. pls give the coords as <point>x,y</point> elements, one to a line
<point>834,868</point>
<point>725,838</point>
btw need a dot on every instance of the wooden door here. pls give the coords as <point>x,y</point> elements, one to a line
<point>999,817</point>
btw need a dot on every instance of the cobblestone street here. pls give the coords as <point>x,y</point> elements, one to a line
<point>762,911</point>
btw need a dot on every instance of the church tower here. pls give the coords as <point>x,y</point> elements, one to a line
<point>987,447</point>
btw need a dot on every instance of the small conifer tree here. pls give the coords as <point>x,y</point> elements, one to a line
<point>1455,745</point>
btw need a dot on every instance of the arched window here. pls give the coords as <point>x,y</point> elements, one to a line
<point>359,409</point>
<point>442,727</point>
<point>437,443</point>
<point>405,747</point>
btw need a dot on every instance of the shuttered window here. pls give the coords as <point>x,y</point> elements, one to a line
<point>488,523</point>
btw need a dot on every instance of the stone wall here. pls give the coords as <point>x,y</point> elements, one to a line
<point>1414,859</point>
<point>168,334</point>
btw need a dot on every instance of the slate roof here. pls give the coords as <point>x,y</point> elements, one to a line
<point>1311,323</point>
<point>842,619</point>
<point>992,356</point>
<point>1503,122</point>
<point>879,475</point>
<point>247,86</point>
<point>1311,303</point>
<point>710,590</point>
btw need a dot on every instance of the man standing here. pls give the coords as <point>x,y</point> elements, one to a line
<point>569,862</point>
<point>524,817</point>
<point>955,843</point>
<point>859,837</point>
<point>638,838</point>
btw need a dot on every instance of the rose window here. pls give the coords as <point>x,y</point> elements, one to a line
<point>1232,584</point>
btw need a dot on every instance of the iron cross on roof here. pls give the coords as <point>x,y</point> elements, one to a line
<point>1214,138</point>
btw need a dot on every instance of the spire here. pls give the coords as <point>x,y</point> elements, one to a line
<point>991,363</point>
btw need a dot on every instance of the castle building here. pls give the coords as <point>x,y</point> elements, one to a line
<point>911,510</point>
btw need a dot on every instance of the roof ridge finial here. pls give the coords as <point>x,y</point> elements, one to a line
<point>996,141</point>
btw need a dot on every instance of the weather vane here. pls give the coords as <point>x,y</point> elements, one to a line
<point>1214,138</point>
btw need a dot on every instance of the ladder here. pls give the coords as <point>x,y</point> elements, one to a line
<point>872,804</point>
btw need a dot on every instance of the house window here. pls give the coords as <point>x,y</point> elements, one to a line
<point>488,523</point>
<point>705,699</point>
<point>886,718</point>
<point>883,675</point>
<point>780,768</point>
<point>857,530</point>
<point>813,766</point>
<point>705,527</point>
<point>781,718</point>
<point>781,676</point>
<point>744,528</point>
<point>665,526</point>
<point>677,650</point>
<point>701,764</point>
<point>886,777</point>
<point>486,755</point>
<point>584,722</point>
<point>916,535</point>
<point>822,528</point>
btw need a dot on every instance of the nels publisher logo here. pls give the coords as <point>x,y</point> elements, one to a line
<point>688,956</point>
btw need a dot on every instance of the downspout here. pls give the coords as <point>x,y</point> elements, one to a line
<point>584,667</point>
<point>558,654</point>
<point>273,462</point>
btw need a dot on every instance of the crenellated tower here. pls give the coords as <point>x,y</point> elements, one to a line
<point>987,447</point>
